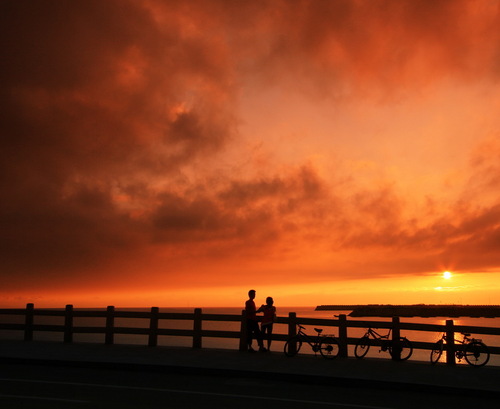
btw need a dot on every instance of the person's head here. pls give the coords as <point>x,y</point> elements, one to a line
<point>251,294</point>
<point>269,301</point>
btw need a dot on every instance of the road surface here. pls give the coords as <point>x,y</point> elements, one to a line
<point>37,387</point>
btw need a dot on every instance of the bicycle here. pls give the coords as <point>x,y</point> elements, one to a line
<point>328,346</point>
<point>474,351</point>
<point>364,343</point>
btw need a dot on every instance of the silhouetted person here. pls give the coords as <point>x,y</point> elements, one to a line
<point>268,318</point>
<point>252,323</point>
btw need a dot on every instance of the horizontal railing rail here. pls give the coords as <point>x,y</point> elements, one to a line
<point>196,331</point>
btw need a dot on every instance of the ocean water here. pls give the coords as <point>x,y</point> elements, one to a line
<point>302,312</point>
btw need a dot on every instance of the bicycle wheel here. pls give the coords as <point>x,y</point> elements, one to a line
<point>362,347</point>
<point>329,347</point>
<point>437,351</point>
<point>406,348</point>
<point>293,345</point>
<point>476,353</point>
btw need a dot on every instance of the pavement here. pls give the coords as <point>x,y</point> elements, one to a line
<point>367,372</point>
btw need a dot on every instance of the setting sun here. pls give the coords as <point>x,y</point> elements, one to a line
<point>447,275</point>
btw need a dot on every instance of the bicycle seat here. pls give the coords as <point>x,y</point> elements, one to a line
<point>465,335</point>
<point>318,330</point>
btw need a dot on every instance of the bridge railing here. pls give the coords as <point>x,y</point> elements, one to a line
<point>197,332</point>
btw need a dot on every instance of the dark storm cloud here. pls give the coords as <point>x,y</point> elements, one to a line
<point>254,212</point>
<point>90,107</point>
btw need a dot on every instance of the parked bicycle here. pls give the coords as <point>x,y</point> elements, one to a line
<point>474,351</point>
<point>328,346</point>
<point>373,337</point>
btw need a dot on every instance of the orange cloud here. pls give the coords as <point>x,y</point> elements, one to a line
<point>125,150</point>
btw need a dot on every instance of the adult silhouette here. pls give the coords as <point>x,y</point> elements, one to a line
<point>253,330</point>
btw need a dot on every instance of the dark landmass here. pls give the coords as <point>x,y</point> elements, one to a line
<point>417,310</point>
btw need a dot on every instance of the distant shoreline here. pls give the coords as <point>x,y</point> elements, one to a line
<point>416,310</point>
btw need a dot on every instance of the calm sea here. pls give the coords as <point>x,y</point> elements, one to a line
<point>306,312</point>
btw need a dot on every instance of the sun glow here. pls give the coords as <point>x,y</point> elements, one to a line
<point>447,275</point>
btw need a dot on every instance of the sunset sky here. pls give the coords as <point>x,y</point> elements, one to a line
<point>179,153</point>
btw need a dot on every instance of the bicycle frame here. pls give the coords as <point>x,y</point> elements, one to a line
<point>460,344</point>
<point>385,341</point>
<point>375,335</point>
<point>312,341</point>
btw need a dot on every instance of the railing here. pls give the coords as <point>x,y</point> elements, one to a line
<point>197,333</point>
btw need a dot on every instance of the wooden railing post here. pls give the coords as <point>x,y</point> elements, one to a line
<point>153,327</point>
<point>243,331</point>
<point>110,325</point>
<point>396,342</point>
<point>450,343</point>
<point>343,336</point>
<point>292,331</point>
<point>197,325</point>
<point>68,324</point>
<point>28,322</point>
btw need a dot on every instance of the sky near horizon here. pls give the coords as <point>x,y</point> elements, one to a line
<point>179,153</point>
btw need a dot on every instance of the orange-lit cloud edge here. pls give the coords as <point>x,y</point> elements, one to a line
<point>178,156</point>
